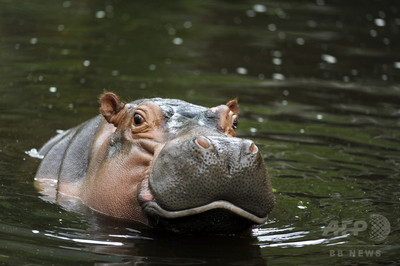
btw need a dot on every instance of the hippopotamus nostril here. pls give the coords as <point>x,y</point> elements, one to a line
<point>248,147</point>
<point>203,142</point>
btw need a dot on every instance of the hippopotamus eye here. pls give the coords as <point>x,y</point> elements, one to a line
<point>235,123</point>
<point>138,119</point>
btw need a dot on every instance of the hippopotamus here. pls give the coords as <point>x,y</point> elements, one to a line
<point>165,163</point>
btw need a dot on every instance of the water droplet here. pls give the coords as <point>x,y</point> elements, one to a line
<point>187,24</point>
<point>272,27</point>
<point>253,130</point>
<point>224,71</point>
<point>386,41</point>
<point>33,41</point>
<point>329,58</point>
<point>53,89</point>
<point>339,24</point>
<point>277,61</point>
<point>33,153</point>
<point>284,102</point>
<point>60,27</point>
<point>171,31</point>
<point>380,22</point>
<point>115,73</point>
<point>86,63</point>
<point>17,46</point>
<point>319,116</point>
<point>152,67</point>
<point>177,41</point>
<point>278,76</point>
<point>280,13</point>
<point>276,53</point>
<point>396,64</point>
<point>237,20</point>
<point>100,14</point>
<point>35,231</point>
<point>261,76</point>
<point>250,13</point>
<point>109,8</point>
<point>320,2</point>
<point>241,70</point>
<point>66,4</point>
<point>260,119</point>
<point>285,92</point>
<point>302,131</point>
<point>259,8</point>
<point>373,33</point>
<point>300,41</point>
<point>312,23</point>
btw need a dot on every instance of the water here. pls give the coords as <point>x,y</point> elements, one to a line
<point>318,86</point>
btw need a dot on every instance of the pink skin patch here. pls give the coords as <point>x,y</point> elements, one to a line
<point>145,193</point>
<point>204,143</point>
<point>253,148</point>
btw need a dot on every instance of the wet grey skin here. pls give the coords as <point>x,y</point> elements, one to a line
<point>199,181</point>
<point>223,174</point>
<point>200,170</point>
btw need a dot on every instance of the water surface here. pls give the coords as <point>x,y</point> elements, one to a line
<point>318,87</point>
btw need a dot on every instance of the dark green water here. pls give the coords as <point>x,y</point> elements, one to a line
<point>318,84</point>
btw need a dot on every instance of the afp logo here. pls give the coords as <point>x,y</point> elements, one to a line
<point>377,226</point>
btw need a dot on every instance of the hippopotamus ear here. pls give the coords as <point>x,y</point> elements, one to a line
<point>234,106</point>
<point>111,105</point>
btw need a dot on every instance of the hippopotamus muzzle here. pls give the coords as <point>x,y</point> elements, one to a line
<point>164,163</point>
<point>208,184</point>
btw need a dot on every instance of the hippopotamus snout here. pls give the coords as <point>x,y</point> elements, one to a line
<point>201,173</point>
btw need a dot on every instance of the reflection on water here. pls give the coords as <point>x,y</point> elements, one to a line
<point>318,86</point>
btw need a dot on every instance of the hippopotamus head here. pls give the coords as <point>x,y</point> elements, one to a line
<point>200,177</point>
<point>166,163</point>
